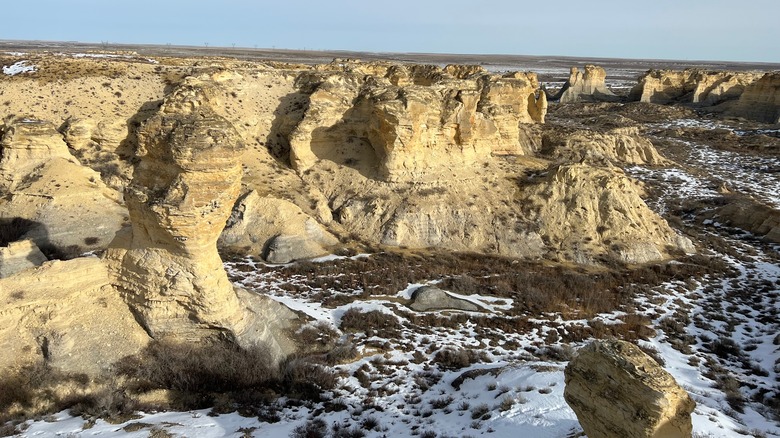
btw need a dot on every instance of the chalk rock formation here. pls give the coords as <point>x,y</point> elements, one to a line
<point>275,228</point>
<point>760,100</point>
<point>68,314</point>
<point>428,298</point>
<point>619,145</point>
<point>616,390</point>
<point>588,211</point>
<point>181,195</point>
<point>418,128</point>
<point>47,186</point>
<point>713,88</point>
<point>586,86</point>
<point>18,256</point>
<point>701,87</point>
<point>26,144</point>
<point>83,134</point>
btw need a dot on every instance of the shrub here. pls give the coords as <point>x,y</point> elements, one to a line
<point>371,323</point>
<point>315,428</point>
<point>450,359</point>
<point>480,412</point>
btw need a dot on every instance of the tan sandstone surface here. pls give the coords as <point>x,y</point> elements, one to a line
<point>617,390</point>
<point>701,87</point>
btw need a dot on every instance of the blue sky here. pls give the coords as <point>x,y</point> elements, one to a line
<point>744,30</point>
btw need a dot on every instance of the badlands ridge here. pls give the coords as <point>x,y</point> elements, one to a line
<point>155,165</point>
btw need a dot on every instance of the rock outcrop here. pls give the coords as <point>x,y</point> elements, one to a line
<point>181,195</point>
<point>48,187</point>
<point>617,390</point>
<point>619,146</point>
<point>67,314</point>
<point>586,212</point>
<point>705,88</point>
<point>586,86</point>
<point>18,256</point>
<point>427,298</point>
<point>416,129</point>
<point>274,228</point>
<point>26,144</point>
<point>761,100</point>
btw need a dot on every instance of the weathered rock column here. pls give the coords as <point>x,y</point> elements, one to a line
<point>617,390</point>
<point>181,195</point>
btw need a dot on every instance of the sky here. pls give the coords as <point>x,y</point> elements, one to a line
<point>722,30</point>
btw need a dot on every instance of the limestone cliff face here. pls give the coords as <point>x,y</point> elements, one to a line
<point>619,146</point>
<point>587,212</point>
<point>701,87</point>
<point>760,100</point>
<point>586,86</point>
<point>616,390</point>
<point>400,129</point>
<point>181,195</point>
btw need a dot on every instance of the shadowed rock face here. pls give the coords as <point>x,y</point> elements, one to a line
<point>181,195</point>
<point>760,100</point>
<point>616,390</point>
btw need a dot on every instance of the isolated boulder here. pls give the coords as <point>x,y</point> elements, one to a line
<point>428,298</point>
<point>617,390</point>
<point>586,86</point>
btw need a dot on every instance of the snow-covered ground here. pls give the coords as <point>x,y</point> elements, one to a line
<point>18,68</point>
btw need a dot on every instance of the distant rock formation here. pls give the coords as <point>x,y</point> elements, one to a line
<point>617,390</point>
<point>705,88</point>
<point>398,130</point>
<point>586,86</point>
<point>761,100</point>
<point>749,215</point>
<point>182,193</point>
<point>598,212</point>
<point>619,146</point>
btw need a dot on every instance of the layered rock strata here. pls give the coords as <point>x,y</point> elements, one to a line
<point>761,100</point>
<point>397,130</point>
<point>180,197</point>
<point>588,85</point>
<point>616,390</point>
<point>700,87</point>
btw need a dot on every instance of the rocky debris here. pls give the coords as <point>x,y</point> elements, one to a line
<point>67,314</point>
<point>760,101</point>
<point>586,86</point>
<point>619,146</point>
<point>617,390</point>
<point>427,298</point>
<point>396,130</point>
<point>700,87</point>
<point>25,144</point>
<point>585,213</point>
<point>182,192</point>
<point>18,256</point>
<point>275,228</point>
